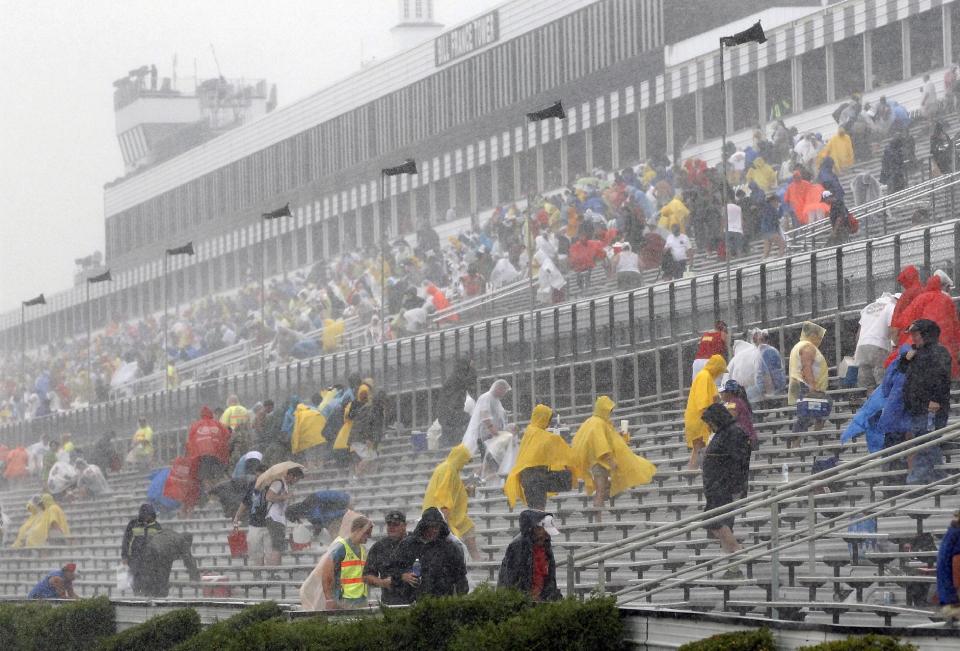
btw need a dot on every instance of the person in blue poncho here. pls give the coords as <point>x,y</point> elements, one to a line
<point>883,417</point>
<point>948,570</point>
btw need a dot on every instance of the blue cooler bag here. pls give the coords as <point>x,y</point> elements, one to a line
<point>814,407</point>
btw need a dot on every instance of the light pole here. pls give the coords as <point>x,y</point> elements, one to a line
<point>409,166</point>
<point>752,35</point>
<point>102,278</point>
<point>283,211</point>
<point>39,300</point>
<point>186,249</point>
<point>555,110</point>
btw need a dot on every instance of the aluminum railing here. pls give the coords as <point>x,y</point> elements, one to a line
<point>771,498</point>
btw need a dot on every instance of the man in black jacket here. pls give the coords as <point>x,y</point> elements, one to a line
<point>442,567</point>
<point>528,565</point>
<point>449,407</point>
<point>926,395</point>
<point>135,538</point>
<point>158,556</point>
<point>381,555</point>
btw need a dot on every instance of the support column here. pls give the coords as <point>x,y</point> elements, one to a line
<point>698,117</point>
<point>641,135</point>
<point>947,34</point>
<point>588,150</point>
<point>867,61</point>
<point>796,74</point>
<point>762,112</point>
<point>453,194</point>
<point>432,200</point>
<point>564,157</point>
<point>668,121</point>
<point>615,143</point>
<point>517,185</point>
<point>728,105</point>
<point>325,229</point>
<point>473,191</point>
<point>394,216</point>
<point>538,152</point>
<point>830,61</point>
<point>494,181</point>
<point>905,46</point>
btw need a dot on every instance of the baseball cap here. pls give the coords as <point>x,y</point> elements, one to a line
<point>826,194</point>
<point>70,567</point>
<point>549,526</point>
<point>731,386</point>
<point>395,517</point>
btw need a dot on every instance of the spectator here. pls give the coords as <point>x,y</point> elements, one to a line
<point>551,283</point>
<point>735,399</point>
<point>323,509</point>
<point>771,380</point>
<point>770,226</point>
<point>674,214</point>
<point>948,571</point>
<point>584,254</point>
<point>447,492</point>
<point>909,280</point>
<point>442,568</point>
<point>450,410</point>
<point>489,417</point>
<point>343,569</point>
<point>726,471</point>
<point>235,416</point>
<point>504,273</point>
<point>937,306</point>
<point>61,478</point>
<point>48,524</point>
<point>254,507</point>
<point>473,283</point>
<point>703,393</point>
<point>809,372</point>
<point>828,179</point>
<point>276,483</point>
<point>56,585</point>
<point>680,251</point>
<point>141,450</point>
<point>929,104</point>
<point>90,481</point>
<point>839,217</point>
<point>381,555</point>
<point>762,174</point>
<point>926,394</point>
<point>135,538</point>
<point>544,464</point>
<point>158,555</point>
<point>15,468</point>
<point>104,454</point>
<point>873,341</point>
<point>208,447</point>
<point>742,367</point>
<point>712,342</point>
<point>893,168</point>
<point>528,564</point>
<point>603,460</point>
<point>626,264</point>
<point>839,150</point>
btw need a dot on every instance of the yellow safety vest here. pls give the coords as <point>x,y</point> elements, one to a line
<point>351,572</point>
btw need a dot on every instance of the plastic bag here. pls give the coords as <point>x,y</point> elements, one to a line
<point>237,540</point>
<point>124,580</point>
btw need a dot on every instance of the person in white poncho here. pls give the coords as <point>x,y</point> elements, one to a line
<point>503,273</point>
<point>550,281</point>
<point>487,421</point>
<point>742,367</point>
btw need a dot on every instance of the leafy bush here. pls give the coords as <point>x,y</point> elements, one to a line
<point>157,633</point>
<point>591,625</point>
<point>761,640</point>
<point>863,643</point>
<point>217,636</point>
<point>74,626</point>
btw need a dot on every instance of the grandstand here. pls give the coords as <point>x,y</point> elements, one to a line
<point>635,346</point>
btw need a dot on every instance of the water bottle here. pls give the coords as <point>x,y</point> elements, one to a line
<point>416,570</point>
<point>786,474</point>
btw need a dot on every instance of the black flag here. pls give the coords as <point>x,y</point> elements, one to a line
<point>102,278</point>
<point>753,35</point>
<point>555,110</point>
<point>186,249</point>
<point>408,166</point>
<point>283,211</point>
<point>39,300</point>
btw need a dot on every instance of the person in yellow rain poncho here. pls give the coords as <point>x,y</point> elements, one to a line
<point>331,335</point>
<point>49,522</point>
<point>675,213</point>
<point>544,463</point>
<point>762,174</point>
<point>35,512</point>
<point>308,424</point>
<point>840,149</point>
<point>603,459</point>
<point>447,492</point>
<point>703,393</point>
<point>341,446</point>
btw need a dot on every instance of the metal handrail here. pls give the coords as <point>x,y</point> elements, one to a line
<point>766,497</point>
<point>481,300</point>
<point>760,550</point>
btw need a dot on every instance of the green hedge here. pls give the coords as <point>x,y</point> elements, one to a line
<point>761,640</point>
<point>222,633</point>
<point>593,625</point>
<point>157,633</point>
<point>40,626</point>
<point>863,643</point>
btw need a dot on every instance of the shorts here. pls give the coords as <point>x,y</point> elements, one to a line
<point>365,451</point>
<point>600,473</point>
<point>210,468</point>
<point>538,481</point>
<point>258,542</point>
<point>278,536</point>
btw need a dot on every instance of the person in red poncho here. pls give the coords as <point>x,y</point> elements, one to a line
<point>937,306</point>
<point>440,302</point>
<point>909,279</point>
<point>208,447</point>
<point>16,464</point>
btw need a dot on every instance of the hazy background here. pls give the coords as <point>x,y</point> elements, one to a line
<point>60,58</point>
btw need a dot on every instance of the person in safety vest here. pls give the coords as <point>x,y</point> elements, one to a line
<point>343,580</point>
<point>135,538</point>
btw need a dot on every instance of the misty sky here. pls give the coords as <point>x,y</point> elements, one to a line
<point>61,57</point>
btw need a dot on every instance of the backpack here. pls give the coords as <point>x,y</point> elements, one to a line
<point>259,506</point>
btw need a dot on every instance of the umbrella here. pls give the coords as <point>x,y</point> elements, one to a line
<point>275,472</point>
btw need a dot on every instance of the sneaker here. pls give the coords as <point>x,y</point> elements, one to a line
<point>950,612</point>
<point>732,574</point>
